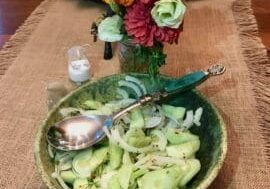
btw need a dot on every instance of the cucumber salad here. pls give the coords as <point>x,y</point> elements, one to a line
<point>151,147</point>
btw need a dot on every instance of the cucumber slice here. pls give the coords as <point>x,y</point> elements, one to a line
<point>65,165</point>
<point>194,167</point>
<point>94,187</point>
<point>68,176</point>
<point>116,154</point>
<point>124,175</point>
<point>136,137</point>
<point>134,132</point>
<point>127,159</point>
<point>175,136</point>
<point>185,150</point>
<point>81,183</point>
<point>105,110</point>
<point>114,183</point>
<point>99,156</point>
<point>161,141</point>
<point>80,163</point>
<point>161,179</point>
<point>139,142</point>
<point>137,119</point>
<point>136,174</point>
<point>105,178</point>
<point>91,105</point>
<point>175,113</point>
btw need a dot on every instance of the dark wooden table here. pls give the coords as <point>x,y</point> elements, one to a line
<point>14,12</point>
<point>261,10</point>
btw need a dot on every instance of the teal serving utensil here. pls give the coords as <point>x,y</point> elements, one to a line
<point>80,132</point>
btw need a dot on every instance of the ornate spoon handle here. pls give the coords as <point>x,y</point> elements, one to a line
<point>192,80</point>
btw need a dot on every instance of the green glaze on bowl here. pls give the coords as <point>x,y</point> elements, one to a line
<point>212,132</point>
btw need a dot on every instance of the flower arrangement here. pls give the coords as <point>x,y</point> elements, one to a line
<point>149,24</point>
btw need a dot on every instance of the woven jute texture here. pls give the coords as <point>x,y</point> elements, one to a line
<point>214,31</point>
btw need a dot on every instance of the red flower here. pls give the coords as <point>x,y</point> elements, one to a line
<point>140,25</point>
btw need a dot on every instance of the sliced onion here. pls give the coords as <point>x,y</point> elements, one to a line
<point>173,123</point>
<point>153,122</point>
<point>126,119</point>
<point>162,140</point>
<point>188,122</point>
<point>143,160</point>
<point>140,156</point>
<point>137,81</point>
<point>57,176</point>
<point>122,93</point>
<point>130,85</point>
<point>51,151</point>
<point>105,178</point>
<point>65,165</point>
<point>125,102</point>
<point>153,119</point>
<point>108,134</point>
<point>148,166</point>
<point>120,141</point>
<point>197,116</point>
<point>161,160</point>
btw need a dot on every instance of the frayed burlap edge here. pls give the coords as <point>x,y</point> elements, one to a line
<point>258,63</point>
<point>12,47</point>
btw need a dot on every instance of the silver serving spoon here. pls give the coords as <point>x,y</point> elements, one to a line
<point>80,132</point>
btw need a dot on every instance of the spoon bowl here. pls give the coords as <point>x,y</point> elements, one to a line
<point>78,132</point>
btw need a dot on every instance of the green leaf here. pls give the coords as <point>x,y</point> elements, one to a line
<point>115,7</point>
<point>153,57</point>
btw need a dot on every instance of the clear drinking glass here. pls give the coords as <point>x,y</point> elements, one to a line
<point>78,64</point>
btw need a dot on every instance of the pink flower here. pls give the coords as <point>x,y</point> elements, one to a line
<point>140,25</point>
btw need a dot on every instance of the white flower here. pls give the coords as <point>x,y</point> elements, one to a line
<point>168,13</point>
<point>109,29</point>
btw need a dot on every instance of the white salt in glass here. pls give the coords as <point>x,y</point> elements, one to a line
<point>78,65</point>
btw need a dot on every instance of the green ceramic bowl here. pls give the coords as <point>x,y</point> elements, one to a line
<point>212,133</point>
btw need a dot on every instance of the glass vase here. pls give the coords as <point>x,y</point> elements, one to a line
<point>127,58</point>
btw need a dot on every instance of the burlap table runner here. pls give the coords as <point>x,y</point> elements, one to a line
<point>214,31</point>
